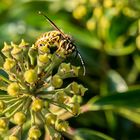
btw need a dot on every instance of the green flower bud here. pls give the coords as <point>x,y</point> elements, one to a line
<point>9,64</point>
<point>60,97</point>
<point>37,105</point>
<point>50,118</point>
<point>76,89</point>
<point>24,45</point>
<point>62,125</point>
<point>67,70</point>
<point>73,88</point>
<point>82,90</point>
<point>17,52</point>
<point>34,133</point>
<point>32,53</point>
<point>30,76</point>
<point>2,106</point>
<point>75,108</point>
<point>64,68</point>
<point>75,70</point>
<point>13,89</point>
<point>7,50</point>
<point>19,118</point>
<point>3,124</point>
<point>43,59</point>
<point>79,12</point>
<point>56,81</point>
<point>76,98</point>
<point>44,49</point>
<point>12,137</point>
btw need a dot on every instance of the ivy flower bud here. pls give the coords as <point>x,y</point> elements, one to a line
<point>63,68</point>
<point>19,118</point>
<point>108,3</point>
<point>9,64</point>
<point>2,106</point>
<point>44,49</point>
<point>79,12</point>
<point>17,53</point>
<point>3,124</point>
<point>7,50</point>
<point>13,89</point>
<point>56,81</point>
<point>60,97</point>
<point>50,118</point>
<point>75,70</point>
<point>32,53</point>
<point>98,12</point>
<point>37,105</point>
<point>76,89</point>
<point>75,108</point>
<point>24,45</point>
<point>61,125</point>
<point>93,1</point>
<point>30,76</point>
<point>73,88</point>
<point>12,137</point>
<point>34,133</point>
<point>91,24</point>
<point>43,59</point>
<point>82,90</point>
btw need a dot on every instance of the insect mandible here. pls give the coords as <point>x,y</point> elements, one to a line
<point>60,40</point>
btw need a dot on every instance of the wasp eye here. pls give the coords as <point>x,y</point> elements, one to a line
<point>40,45</point>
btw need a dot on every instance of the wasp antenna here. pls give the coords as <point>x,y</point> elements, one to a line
<point>82,62</point>
<point>51,22</point>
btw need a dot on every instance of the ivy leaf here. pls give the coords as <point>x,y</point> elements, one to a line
<point>86,134</point>
<point>128,99</point>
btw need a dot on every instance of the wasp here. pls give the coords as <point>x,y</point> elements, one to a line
<point>59,39</point>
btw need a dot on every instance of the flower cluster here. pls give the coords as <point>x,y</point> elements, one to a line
<point>33,91</point>
<point>99,14</point>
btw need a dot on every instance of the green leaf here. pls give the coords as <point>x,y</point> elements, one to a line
<point>4,77</point>
<point>86,134</point>
<point>131,115</point>
<point>128,99</point>
<point>115,82</point>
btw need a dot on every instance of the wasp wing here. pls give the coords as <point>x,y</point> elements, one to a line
<point>52,23</point>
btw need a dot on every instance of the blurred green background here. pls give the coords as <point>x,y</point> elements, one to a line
<point>107,35</point>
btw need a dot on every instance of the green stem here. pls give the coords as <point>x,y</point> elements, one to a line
<point>6,97</point>
<point>11,107</point>
<point>32,117</point>
<point>17,109</point>
<point>64,106</point>
<point>44,94</point>
<point>13,100</point>
<point>27,104</point>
